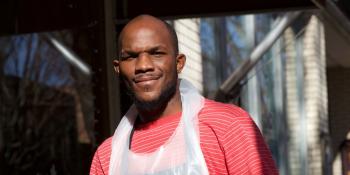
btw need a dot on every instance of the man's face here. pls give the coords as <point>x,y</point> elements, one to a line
<point>148,63</point>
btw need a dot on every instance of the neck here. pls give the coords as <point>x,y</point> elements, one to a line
<point>171,107</point>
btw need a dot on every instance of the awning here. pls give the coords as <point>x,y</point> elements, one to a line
<point>42,15</point>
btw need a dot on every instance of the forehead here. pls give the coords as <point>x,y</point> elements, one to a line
<point>145,33</point>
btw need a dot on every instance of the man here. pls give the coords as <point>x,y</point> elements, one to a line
<point>216,139</point>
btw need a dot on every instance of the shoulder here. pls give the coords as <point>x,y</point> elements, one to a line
<point>104,150</point>
<point>100,162</point>
<point>239,138</point>
<point>221,112</point>
<point>219,117</point>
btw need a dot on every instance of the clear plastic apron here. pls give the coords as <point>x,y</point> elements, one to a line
<point>181,154</point>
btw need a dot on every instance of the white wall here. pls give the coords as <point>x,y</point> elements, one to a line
<point>189,44</point>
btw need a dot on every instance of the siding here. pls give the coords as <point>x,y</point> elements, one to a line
<point>189,44</point>
<point>315,90</point>
<point>314,104</point>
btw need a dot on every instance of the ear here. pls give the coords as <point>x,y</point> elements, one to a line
<point>180,62</point>
<point>116,66</point>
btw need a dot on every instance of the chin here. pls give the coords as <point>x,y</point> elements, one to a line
<point>154,100</point>
<point>147,96</point>
<point>149,104</point>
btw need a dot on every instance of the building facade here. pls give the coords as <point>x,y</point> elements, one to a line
<point>287,93</point>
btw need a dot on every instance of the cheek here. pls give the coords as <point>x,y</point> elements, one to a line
<point>172,70</point>
<point>126,70</point>
<point>168,65</point>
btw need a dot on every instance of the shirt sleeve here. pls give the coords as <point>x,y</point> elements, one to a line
<point>245,149</point>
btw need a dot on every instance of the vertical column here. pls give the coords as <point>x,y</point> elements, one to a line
<point>315,90</point>
<point>292,105</point>
<point>279,123</point>
<point>111,54</point>
<point>106,83</point>
<point>253,84</point>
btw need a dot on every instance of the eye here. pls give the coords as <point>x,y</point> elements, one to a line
<point>157,53</point>
<point>127,56</point>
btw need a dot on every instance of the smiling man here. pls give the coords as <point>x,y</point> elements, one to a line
<point>171,128</point>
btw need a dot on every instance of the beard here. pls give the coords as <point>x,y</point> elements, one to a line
<point>158,103</point>
<point>166,94</point>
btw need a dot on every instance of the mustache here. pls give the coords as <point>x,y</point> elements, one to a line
<point>146,77</point>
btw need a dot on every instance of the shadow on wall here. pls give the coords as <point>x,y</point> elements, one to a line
<point>338,80</point>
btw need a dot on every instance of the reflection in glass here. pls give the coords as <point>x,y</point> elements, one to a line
<point>46,105</point>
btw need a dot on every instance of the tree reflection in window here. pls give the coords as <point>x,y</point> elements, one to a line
<point>46,106</point>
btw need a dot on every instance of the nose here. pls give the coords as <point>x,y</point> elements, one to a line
<point>144,63</point>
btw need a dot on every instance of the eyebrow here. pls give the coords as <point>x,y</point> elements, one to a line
<point>152,49</point>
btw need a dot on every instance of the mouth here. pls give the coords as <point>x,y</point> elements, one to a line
<point>145,79</point>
